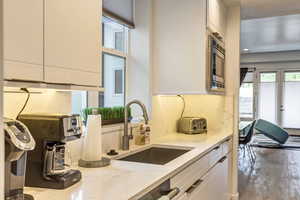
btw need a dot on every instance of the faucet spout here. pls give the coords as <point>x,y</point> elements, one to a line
<point>126,137</point>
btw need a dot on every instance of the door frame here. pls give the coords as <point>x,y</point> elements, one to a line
<point>257,91</point>
<point>280,79</point>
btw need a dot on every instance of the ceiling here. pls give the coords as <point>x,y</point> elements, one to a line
<point>271,34</point>
<point>269,8</point>
<point>270,25</point>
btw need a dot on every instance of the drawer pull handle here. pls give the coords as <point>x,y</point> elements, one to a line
<point>216,148</point>
<point>223,159</point>
<point>171,194</point>
<point>227,140</point>
<point>194,186</point>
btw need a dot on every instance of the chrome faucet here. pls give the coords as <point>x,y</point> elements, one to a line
<point>126,137</point>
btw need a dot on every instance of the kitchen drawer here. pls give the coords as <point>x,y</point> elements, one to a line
<point>215,155</point>
<point>182,197</point>
<point>227,146</point>
<point>184,179</point>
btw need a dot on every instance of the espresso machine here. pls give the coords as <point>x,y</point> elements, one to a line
<point>47,167</point>
<point>18,141</point>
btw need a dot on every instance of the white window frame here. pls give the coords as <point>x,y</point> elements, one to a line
<point>124,55</point>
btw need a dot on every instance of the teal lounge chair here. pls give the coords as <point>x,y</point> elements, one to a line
<point>272,131</point>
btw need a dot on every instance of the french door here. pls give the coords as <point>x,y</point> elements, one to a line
<point>278,97</point>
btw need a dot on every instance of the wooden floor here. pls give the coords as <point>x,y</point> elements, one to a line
<point>275,175</point>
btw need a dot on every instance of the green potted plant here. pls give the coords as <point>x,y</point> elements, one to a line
<point>109,115</point>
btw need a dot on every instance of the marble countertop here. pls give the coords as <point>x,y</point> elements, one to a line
<point>124,180</point>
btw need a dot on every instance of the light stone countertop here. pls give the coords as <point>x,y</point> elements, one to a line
<point>124,180</point>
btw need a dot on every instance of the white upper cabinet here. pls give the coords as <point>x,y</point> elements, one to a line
<point>53,41</point>
<point>23,39</point>
<point>216,16</point>
<point>179,47</point>
<point>73,41</point>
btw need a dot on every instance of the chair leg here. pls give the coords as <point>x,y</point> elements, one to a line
<point>244,151</point>
<point>250,155</point>
<point>253,153</point>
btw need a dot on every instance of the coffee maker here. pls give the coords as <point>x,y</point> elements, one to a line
<point>18,141</point>
<point>47,167</point>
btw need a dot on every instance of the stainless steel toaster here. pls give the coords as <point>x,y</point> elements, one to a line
<point>192,125</point>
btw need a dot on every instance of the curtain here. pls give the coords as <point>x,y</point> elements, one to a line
<point>243,73</point>
<point>120,11</point>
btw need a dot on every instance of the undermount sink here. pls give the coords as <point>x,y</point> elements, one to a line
<point>155,155</point>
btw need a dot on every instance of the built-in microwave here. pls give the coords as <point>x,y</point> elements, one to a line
<point>216,64</point>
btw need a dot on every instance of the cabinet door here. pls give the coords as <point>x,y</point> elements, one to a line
<point>216,16</point>
<point>223,179</point>
<point>214,185</point>
<point>73,41</point>
<point>179,47</point>
<point>23,39</point>
<point>182,197</point>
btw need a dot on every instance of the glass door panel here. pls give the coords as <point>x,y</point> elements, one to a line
<point>291,100</point>
<point>267,96</point>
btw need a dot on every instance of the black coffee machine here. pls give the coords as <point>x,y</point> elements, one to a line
<point>47,167</point>
<point>18,141</point>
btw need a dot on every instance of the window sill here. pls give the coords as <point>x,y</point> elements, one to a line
<point>115,127</point>
<point>112,128</point>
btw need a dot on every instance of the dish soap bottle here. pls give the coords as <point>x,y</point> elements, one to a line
<point>143,136</point>
<point>140,137</point>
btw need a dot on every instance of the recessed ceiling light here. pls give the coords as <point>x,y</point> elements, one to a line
<point>245,50</point>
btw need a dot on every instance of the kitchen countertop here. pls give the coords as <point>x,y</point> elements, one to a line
<point>124,180</point>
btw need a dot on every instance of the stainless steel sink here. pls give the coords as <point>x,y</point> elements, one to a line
<point>155,155</point>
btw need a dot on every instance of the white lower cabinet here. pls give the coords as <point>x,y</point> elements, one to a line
<point>207,178</point>
<point>183,197</point>
<point>212,186</point>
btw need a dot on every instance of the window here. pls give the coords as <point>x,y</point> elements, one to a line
<point>246,100</point>
<point>79,101</point>
<point>114,84</point>
<point>247,97</point>
<point>114,56</point>
<point>119,81</point>
<point>115,39</point>
<point>114,35</point>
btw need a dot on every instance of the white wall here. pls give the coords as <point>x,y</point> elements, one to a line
<point>139,64</point>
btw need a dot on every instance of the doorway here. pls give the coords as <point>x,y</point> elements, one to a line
<point>278,97</point>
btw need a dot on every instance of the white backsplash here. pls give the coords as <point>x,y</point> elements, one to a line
<point>167,110</point>
<point>45,101</point>
<point>50,101</point>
